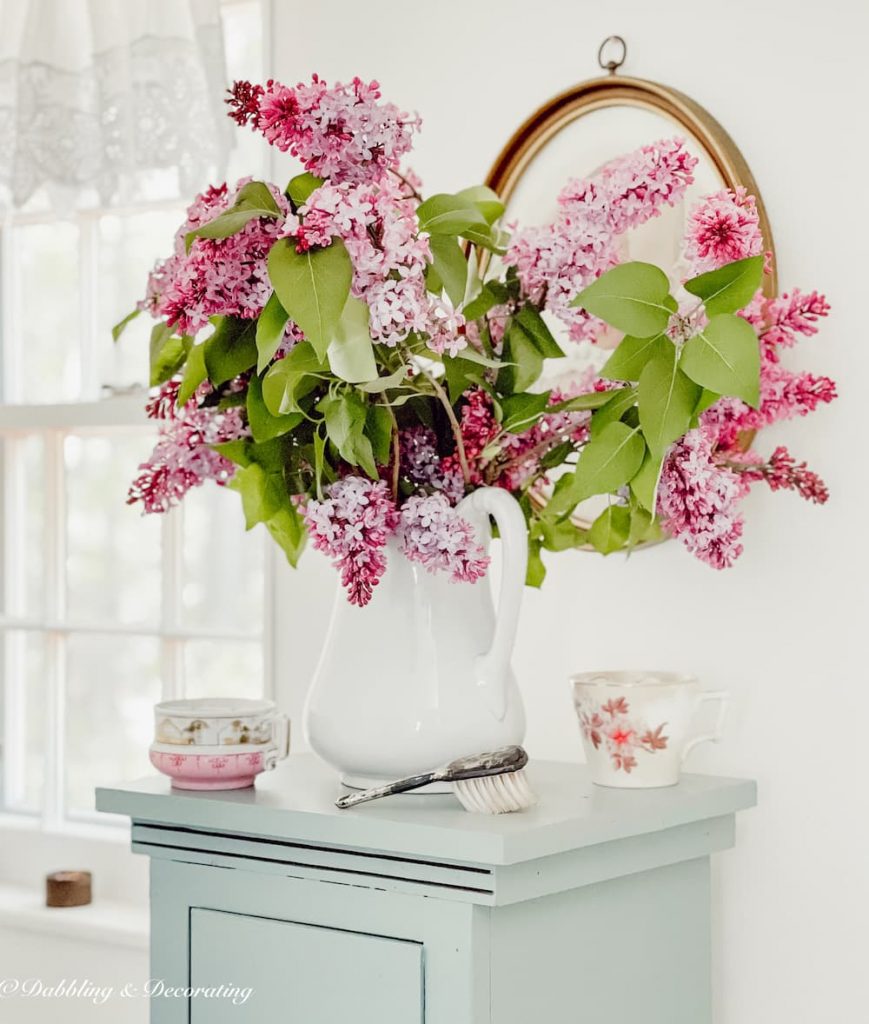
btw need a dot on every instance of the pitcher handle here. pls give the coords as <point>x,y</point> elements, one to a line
<point>493,666</point>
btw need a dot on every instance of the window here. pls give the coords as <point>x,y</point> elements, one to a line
<point>102,610</point>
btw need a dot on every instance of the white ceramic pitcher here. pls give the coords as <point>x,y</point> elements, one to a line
<point>422,674</point>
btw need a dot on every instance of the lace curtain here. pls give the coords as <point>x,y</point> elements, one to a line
<point>95,92</point>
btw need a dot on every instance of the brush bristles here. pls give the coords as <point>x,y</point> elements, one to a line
<point>495,794</point>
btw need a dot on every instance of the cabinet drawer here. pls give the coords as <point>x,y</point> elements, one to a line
<point>301,973</point>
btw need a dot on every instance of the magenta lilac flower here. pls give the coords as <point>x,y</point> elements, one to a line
<point>698,501</point>
<point>183,456</point>
<point>217,276</point>
<point>432,533</point>
<point>722,228</point>
<point>341,132</point>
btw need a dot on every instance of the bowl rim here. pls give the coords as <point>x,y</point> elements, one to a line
<point>633,678</point>
<point>215,707</point>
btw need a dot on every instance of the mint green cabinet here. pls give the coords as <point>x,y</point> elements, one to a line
<point>316,974</point>
<point>592,908</point>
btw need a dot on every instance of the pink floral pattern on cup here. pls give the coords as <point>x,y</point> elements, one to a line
<point>611,726</point>
<point>206,771</point>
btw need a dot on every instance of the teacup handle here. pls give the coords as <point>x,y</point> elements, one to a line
<point>281,738</point>
<point>723,697</point>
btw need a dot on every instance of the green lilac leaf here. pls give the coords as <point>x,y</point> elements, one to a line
<point>632,297</point>
<point>611,530</point>
<point>121,325</point>
<point>194,374</point>
<point>644,485</point>
<point>537,330</point>
<point>666,400</point>
<point>263,424</point>
<point>444,214</point>
<point>589,400</point>
<point>287,528</point>
<point>231,350</point>
<point>630,357</point>
<point>393,380</point>
<point>730,288</point>
<point>492,294</point>
<point>607,462</point>
<point>488,202</point>
<point>522,411</point>
<point>614,410</point>
<point>725,357</point>
<point>270,328</point>
<point>262,493</point>
<point>312,287</point>
<point>450,267</point>
<point>167,355</point>
<point>351,353</point>
<point>378,429</point>
<point>300,188</point>
<point>284,380</point>
<point>526,362</point>
<point>536,571</point>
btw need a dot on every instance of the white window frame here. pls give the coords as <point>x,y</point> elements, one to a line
<point>52,423</point>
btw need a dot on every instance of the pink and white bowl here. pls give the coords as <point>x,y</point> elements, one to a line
<point>212,768</point>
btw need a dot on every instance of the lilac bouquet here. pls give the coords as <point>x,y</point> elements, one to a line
<point>333,351</point>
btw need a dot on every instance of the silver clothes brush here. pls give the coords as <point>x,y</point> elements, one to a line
<point>493,783</point>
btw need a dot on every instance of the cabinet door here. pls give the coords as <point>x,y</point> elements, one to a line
<point>299,973</point>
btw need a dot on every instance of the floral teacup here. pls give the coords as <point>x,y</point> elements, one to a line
<point>637,727</point>
<point>218,743</point>
<point>216,722</point>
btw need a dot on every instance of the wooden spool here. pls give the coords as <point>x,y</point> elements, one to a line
<point>68,889</point>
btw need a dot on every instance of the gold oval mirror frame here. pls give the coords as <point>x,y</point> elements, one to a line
<point>668,110</point>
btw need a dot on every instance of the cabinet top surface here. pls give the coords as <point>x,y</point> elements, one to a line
<point>296,802</point>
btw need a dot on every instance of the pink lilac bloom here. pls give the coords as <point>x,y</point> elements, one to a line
<point>340,132</point>
<point>351,526</point>
<point>478,426</point>
<point>218,276</point>
<point>432,533</point>
<point>783,472</point>
<point>698,501</point>
<point>378,225</point>
<point>778,321</point>
<point>723,227</point>
<point>183,457</point>
<point>556,261</point>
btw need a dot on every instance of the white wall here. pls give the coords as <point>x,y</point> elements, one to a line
<point>785,630</point>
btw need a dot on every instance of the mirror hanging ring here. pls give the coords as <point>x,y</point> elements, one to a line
<point>607,93</point>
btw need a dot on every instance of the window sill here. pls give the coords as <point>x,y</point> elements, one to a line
<point>105,922</point>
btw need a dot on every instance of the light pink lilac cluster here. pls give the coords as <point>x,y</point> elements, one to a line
<point>378,225</point>
<point>556,261</point>
<point>183,456</point>
<point>341,132</point>
<point>421,464</point>
<point>217,276</point>
<point>432,533</point>
<point>352,524</point>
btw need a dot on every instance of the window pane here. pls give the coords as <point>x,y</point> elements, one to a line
<point>223,565</point>
<point>112,685</point>
<point>23,664</point>
<point>23,516</point>
<point>46,305</point>
<point>243,39</point>
<point>113,551</point>
<point>129,247</point>
<point>216,669</point>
